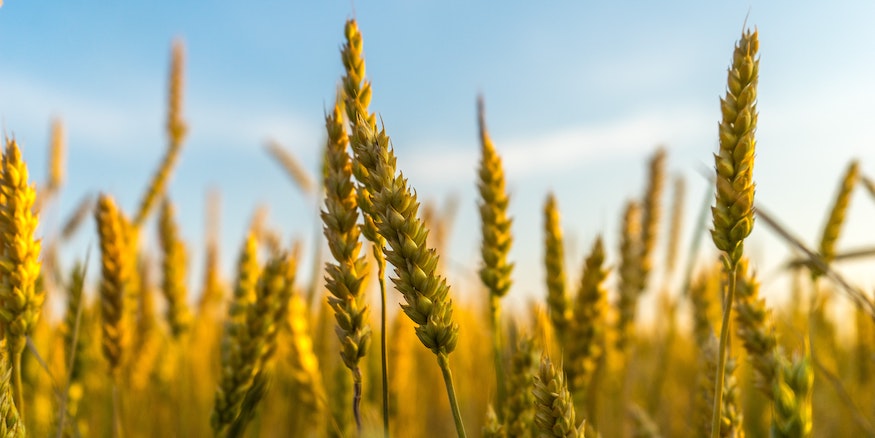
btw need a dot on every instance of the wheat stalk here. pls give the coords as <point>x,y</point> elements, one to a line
<point>176,131</point>
<point>293,168</point>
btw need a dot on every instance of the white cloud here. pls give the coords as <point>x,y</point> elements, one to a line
<point>122,124</point>
<point>566,149</point>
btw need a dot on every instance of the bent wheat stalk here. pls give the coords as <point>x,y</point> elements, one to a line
<point>425,291</point>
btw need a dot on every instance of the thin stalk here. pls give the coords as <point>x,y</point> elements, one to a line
<point>721,357</point>
<point>116,411</point>
<point>357,399</point>
<point>495,310</point>
<point>444,362</point>
<point>17,389</point>
<point>384,353</point>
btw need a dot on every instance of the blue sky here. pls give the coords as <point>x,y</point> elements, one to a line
<point>578,94</point>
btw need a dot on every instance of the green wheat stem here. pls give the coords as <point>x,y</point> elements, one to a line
<point>495,311</point>
<point>384,352</point>
<point>723,347</point>
<point>444,362</point>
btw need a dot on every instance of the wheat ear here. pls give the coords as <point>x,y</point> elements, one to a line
<point>733,211</point>
<point>519,410</point>
<point>629,271</point>
<point>173,263</point>
<point>21,295</point>
<point>590,309</point>
<point>495,229</point>
<point>787,383</point>
<point>115,279</point>
<point>651,212</point>
<point>836,218</point>
<point>554,415</point>
<point>554,262</point>
<point>11,423</point>
<point>234,378</point>
<point>425,291</point>
<point>346,279</point>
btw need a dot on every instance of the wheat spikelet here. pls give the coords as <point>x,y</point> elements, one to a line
<point>791,413</point>
<point>72,312</point>
<point>147,342</point>
<point>836,220</point>
<point>787,383</point>
<point>303,363</point>
<point>554,415</point>
<point>733,212</point>
<point>650,212</point>
<point>176,130</point>
<point>554,261</point>
<point>271,309</point>
<point>731,418</point>
<point>251,338</point>
<point>173,263</point>
<point>11,425</point>
<point>590,308</point>
<point>756,329</point>
<point>630,275</point>
<point>519,410</point>
<point>115,279</point>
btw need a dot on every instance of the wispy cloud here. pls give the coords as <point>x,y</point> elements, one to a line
<point>567,149</point>
<point>122,124</point>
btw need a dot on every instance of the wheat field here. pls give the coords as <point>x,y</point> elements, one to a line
<point>378,342</point>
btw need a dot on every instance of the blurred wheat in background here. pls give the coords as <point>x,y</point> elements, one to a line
<point>269,350</point>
